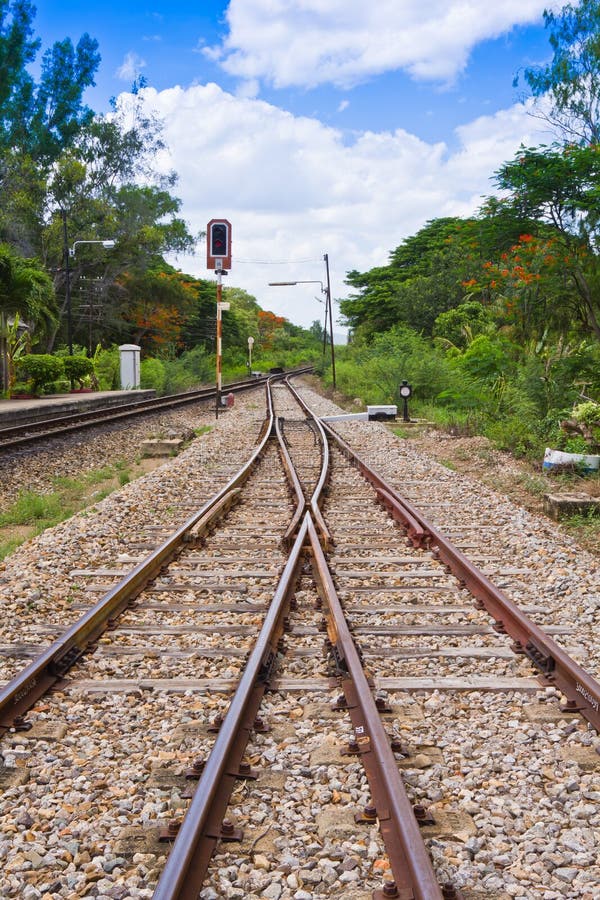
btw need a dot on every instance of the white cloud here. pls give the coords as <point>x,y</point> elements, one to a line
<point>130,67</point>
<point>294,188</point>
<point>344,42</point>
<point>344,104</point>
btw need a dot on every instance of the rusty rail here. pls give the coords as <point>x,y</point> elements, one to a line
<point>295,485</point>
<point>188,860</point>
<point>413,872</point>
<point>554,665</point>
<point>19,695</point>
<point>14,436</point>
<point>320,488</point>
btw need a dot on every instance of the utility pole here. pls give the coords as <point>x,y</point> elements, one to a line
<point>326,258</point>
<point>67,283</point>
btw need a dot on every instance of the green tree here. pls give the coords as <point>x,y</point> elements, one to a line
<point>559,186</point>
<point>460,325</point>
<point>571,80</point>
<point>41,119</point>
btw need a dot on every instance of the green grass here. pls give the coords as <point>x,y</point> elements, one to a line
<point>448,464</point>
<point>35,512</point>
<point>30,508</point>
<point>8,547</point>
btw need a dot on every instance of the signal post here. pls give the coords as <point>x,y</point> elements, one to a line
<point>218,257</point>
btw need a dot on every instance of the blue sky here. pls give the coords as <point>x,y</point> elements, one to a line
<point>319,125</point>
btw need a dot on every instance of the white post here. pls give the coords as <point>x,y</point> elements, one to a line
<point>130,366</point>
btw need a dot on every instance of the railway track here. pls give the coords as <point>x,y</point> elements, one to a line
<point>27,433</point>
<point>234,719</point>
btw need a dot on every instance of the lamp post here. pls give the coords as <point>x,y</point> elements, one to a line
<point>69,253</point>
<point>327,292</point>
<point>250,346</point>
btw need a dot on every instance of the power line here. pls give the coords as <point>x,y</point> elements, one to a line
<point>278,262</point>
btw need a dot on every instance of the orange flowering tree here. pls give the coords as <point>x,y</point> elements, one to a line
<point>156,305</point>
<point>527,287</point>
<point>559,187</point>
<point>268,326</point>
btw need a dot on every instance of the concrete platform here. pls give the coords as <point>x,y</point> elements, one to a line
<point>18,412</point>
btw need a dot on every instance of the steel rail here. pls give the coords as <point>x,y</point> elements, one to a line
<point>19,695</point>
<point>294,482</point>
<point>319,491</point>
<point>19,435</point>
<point>554,665</point>
<point>411,865</point>
<point>185,869</point>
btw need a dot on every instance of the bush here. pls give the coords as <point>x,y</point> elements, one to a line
<point>77,368</point>
<point>152,375</point>
<point>107,367</point>
<point>40,369</point>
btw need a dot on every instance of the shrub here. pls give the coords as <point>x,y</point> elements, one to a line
<point>152,374</point>
<point>77,368</point>
<point>41,369</point>
<point>107,368</point>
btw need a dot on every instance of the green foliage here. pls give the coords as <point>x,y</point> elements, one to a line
<point>77,368</point>
<point>484,359</point>
<point>572,79</point>
<point>26,290</point>
<point>152,375</point>
<point>576,444</point>
<point>41,369</point>
<point>460,325</point>
<point>588,413</point>
<point>41,118</point>
<point>107,365</point>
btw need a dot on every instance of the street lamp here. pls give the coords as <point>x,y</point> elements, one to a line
<point>250,346</point>
<point>69,253</point>
<point>108,245</point>
<point>327,292</point>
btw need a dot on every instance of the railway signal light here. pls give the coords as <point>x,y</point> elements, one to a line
<point>218,244</point>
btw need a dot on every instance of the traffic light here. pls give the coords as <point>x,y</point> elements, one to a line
<point>218,239</point>
<point>218,244</point>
